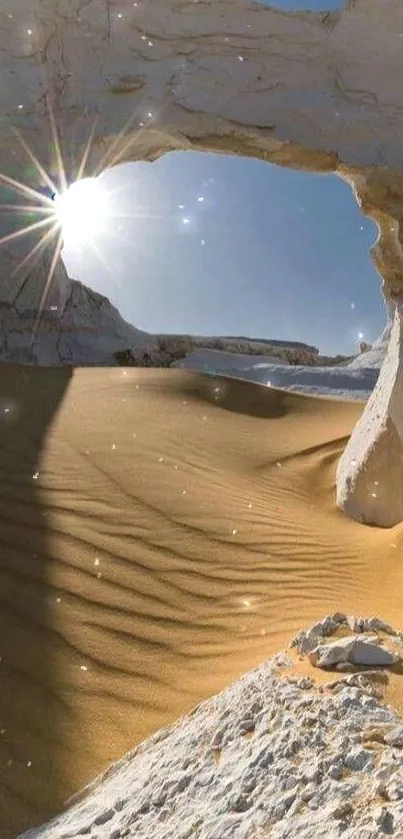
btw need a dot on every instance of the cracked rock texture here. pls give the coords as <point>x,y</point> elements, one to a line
<point>89,331</point>
<point>369,472</point>
<point>364,647</point>
<point>275,754</point>
<point>315,91</point>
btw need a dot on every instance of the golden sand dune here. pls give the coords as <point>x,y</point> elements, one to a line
<point>160,533</point>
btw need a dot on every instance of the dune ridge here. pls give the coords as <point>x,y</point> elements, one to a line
<point>162,532</point>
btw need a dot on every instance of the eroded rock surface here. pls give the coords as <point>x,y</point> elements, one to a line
<point>274,754</point>
<point>230,77</point>
<point>369,473</point>
<point>89,331</point>
<point>345,652</point>
<point>357,651</point>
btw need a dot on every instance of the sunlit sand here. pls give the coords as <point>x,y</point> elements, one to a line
<point>162,532</point>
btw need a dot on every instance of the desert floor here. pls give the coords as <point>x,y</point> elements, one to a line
<point>161,533</point>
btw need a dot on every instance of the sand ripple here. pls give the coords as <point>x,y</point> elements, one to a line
<point>160,533</point>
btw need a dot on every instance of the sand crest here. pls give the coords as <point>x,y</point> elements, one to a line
<point>161,533</point>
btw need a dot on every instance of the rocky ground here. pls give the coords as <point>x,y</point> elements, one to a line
<point>275,755</point>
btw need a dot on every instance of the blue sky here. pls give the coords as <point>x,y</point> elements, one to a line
<point>285,254</point>
<point>302,5</point>
<point>238,246</point>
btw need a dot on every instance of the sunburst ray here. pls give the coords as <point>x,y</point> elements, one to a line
<point>46,288</point>
<point>28,191</point>
<point>81,168</point>
<point>41,245</point>
<point>18,234</point>
<point>106,161</point>
<point>102,260</point>
<point>57,147</point>
<point>42,171</point>
<point>43,206</point>
<point>26,209</point>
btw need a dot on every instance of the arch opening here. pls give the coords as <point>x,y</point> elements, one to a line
<point>200,245</point>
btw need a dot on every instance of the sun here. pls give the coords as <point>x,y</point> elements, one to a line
<point>60,213</point>
<point>82,210</point>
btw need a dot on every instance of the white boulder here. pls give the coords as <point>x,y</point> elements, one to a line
<point>357,651</point>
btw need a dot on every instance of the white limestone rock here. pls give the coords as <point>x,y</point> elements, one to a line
<point>370,654</point>
<point>384,819</point>
<point>395,737</point>
<point>344,653</point>
<point>361,624</point>
<point>374,357</point>
<point>369,473</point>
<point>335,652</point>
<point>308,768</point>
<point>89,331</point>
<point>357,651</point>
<point>307,639</point>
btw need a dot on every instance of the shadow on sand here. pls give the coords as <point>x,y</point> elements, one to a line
<point>31,774</point>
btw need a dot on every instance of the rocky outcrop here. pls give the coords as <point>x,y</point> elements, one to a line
<point>369,473</point>
<point>374,357</point>
<point>272,342</point>
<point>365,647</point>
<point>181,346</point>
<point>110,83</point>
<point>274,754</point>
<point>88,332</point>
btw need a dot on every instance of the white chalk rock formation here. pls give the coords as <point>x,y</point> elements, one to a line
<point>352,650</point>
<point>314,91</point>
<point>309,639</point>
<point>272,755</point>
<point>365,647</point>
<point>374,356</point>
<point>369,473</point>
<point>89,331</point>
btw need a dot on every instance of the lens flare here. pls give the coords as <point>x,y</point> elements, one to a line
<point>56,212</point>
<point>82,210</point>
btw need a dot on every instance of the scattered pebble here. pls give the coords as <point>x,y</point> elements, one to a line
<point>308,768</point>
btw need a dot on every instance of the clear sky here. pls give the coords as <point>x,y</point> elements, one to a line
<point>219,245</point>
<point>302,5</point>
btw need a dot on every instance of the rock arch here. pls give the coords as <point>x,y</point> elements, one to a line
<point>313,91</point>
